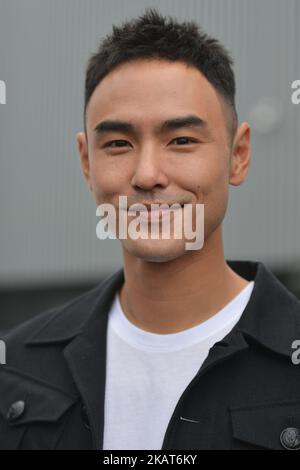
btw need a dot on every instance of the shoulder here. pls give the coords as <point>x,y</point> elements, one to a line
<point>36,346</point>
<point>68,314</point>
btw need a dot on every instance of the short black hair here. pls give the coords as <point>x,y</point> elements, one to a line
<point>152,35</point>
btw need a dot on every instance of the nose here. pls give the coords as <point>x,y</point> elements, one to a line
<point>148,171</point>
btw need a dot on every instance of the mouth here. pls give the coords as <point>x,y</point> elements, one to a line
<point>155,214</point>
<point>155,207</point>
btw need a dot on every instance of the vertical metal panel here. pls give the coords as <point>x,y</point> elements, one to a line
<point>47,213</point>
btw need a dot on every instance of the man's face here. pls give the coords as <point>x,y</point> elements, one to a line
<point>187,164</point>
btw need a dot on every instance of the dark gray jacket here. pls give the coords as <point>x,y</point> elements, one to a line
<point>246,394</point>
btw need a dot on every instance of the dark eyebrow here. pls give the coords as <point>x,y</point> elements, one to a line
<point>169,124</point>
<point>182,121</point>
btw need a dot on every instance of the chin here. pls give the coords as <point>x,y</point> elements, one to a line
<point>156,251</point>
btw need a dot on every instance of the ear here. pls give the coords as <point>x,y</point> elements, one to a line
<point>241,155</point>
<point>84,156</point>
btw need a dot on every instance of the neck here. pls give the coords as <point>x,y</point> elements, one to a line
<point>172,296</point>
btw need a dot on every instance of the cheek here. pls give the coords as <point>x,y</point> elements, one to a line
<point>107,179</point>
<point>208,181</point>
<point>216,199</point>
<point>206,177</point>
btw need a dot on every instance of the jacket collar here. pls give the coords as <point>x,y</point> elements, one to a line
<point>271,317</point>
<point>73,318</point>
<point>82,323</point>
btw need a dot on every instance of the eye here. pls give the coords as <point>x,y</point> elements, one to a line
<point>184,139</point>
<point>117,142</point>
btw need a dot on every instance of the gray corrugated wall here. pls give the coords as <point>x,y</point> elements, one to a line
<point>47,213</point>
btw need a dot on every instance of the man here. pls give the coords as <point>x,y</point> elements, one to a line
<point>179,349</point>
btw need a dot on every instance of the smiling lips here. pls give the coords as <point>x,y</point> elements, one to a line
<point>154,212</point>
<point>153,206</point>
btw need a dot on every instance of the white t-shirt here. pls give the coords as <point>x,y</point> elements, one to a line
<point>146,373</point>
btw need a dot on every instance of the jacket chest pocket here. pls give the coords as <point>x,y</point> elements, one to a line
<point>31,411</point>
<point>274,426</point>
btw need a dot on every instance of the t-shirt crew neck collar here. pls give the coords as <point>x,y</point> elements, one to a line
<point>149,341</point>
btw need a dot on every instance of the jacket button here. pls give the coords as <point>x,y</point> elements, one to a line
<point>15,410</point>
<point>290,438</point>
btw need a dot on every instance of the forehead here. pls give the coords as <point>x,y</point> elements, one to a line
<point>146,90</point>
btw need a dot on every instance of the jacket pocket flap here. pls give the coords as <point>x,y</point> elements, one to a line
<point>266,425</point>
<point>26,399</point>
